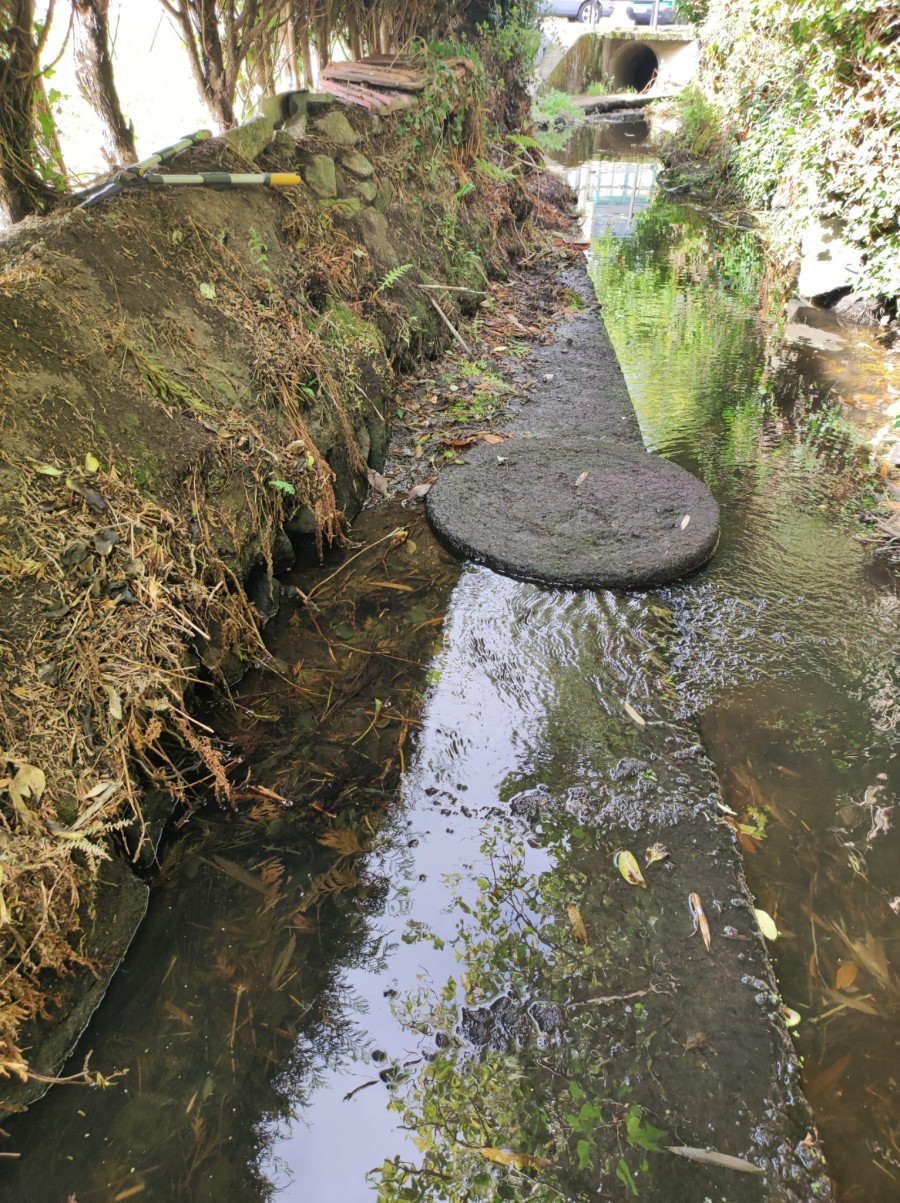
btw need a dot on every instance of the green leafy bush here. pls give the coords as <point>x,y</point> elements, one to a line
<point>807,99</point>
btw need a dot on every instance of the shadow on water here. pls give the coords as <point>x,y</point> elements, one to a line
<point>342,993</point>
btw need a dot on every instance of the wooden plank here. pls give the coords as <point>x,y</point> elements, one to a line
<point>407,81</point>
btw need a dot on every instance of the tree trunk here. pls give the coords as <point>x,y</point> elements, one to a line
<point>22,188</point>
<point>199,27</point>
<point>94,72</point>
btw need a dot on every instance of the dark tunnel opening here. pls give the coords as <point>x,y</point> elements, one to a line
<point>635,67</point>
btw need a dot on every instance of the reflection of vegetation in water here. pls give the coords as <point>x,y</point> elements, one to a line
<point>681,301</point>
<point>522,1099</point>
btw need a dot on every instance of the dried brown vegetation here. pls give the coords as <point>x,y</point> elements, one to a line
<point>182,375</point>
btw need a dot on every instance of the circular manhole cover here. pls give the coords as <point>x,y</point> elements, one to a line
<point>581,512</point>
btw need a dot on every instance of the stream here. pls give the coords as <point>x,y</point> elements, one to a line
<point>397,1009</point>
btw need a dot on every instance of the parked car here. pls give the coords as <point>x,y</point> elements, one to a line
<point>641,12</point>
<point>587,11</point>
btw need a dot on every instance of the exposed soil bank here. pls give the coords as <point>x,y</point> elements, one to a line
<point>190,380</point>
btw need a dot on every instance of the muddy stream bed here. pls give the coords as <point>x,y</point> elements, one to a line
<point>316,1016</point>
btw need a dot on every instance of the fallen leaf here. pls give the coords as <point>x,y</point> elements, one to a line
<point>582,478</point>
<point>700,921</point>
<point>522,1161</point>
<point>238,873</point>
<point>629,868</point>
<point>391,585</point>
<point>791,1017</point>
<point>698,1041</point>
<point>48,470</point>
<point>579,931</point>
<point>493,438</point>
<point>829,1077</point>
<point>657,852</point>
<point>115,702</point>
<point>96,501</point>
<point>104,789</point>
<point>766,924</point>
<point>853,1002</point>
<point>417,492</point>
<point>846,975</point>
<point>75,552</point>
<point>177,1013</point>
<point>685,521</point>
<point>208,291</point>
<point>869,953</point>
<point>29,782</point>
<point>712,1157</point>
<point>91,463</point>
<point>105,540</point>
<point>377,481</point>
<point>632,713</point>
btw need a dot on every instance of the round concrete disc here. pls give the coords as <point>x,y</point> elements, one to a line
<point>582,512</point>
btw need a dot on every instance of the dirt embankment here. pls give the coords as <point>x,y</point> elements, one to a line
<point>190,380</point>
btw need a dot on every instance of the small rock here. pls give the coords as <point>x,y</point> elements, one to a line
<point>628,768</point>
<point>336,128</point>
<point>357,165</point>
<point>320,176</point>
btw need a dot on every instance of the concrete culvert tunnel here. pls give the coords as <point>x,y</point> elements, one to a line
<point>635,67</point>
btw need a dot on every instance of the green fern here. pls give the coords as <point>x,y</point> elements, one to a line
<point>524,141</point>
<point>491,171</point>
<point>391,277</point>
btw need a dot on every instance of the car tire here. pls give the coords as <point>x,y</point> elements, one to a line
<point>589,13</point>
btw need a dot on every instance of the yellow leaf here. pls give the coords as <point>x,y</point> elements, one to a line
<point>630,869</point>
<point>115,702</point>
<point>657,852</point>
<point>48,470</point>
<point>700,921</point>
<point>579,931</point>
<point>846,975</point>
<point>91,463</point>
<point>766,924</point>
<point>791,1017</point>
<point>522,1161</point>
<point>29,782</point>
<point>632,713</point>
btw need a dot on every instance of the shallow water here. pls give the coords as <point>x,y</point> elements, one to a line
<point>323,1021</point>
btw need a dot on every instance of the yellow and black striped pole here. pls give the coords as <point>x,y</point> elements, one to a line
<point>143,173</point>
<point>224,179</point>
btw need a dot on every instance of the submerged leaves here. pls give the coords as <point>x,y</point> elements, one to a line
<point>713,1157</point>
<point>700,921</point>
<point>629,868</point>
<point>766,924</point>
<point>633,714</point>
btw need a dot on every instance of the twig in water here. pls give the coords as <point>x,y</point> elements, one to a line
<point>653,988</point>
